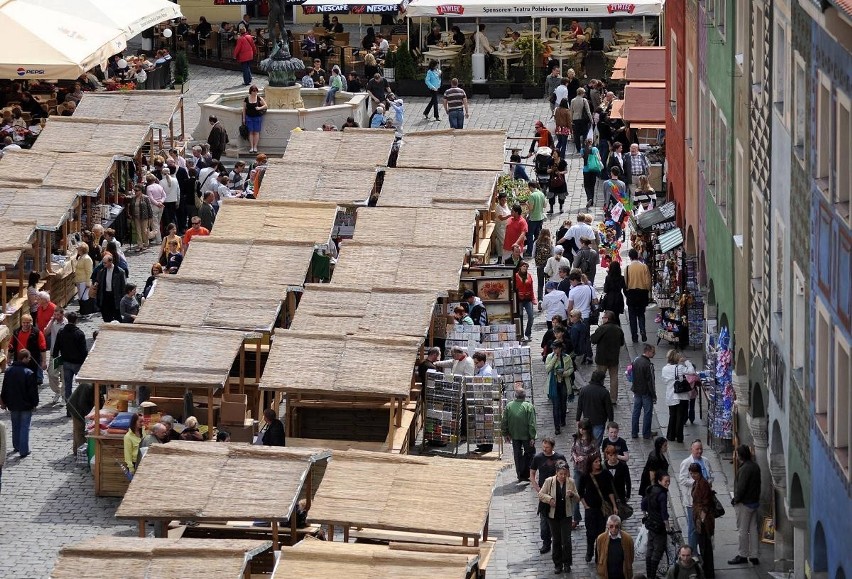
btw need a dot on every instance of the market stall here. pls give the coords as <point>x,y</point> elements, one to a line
<point>111,136</point>
<point>107,557</point>
<point>383,266</point>
<point>319,181</point>
<point>157,108</point>
<point>264,220</point>
<point>236,485</point>
<point>312,558</point>
<point>645,64</point>
<point>16,238</point>
<point>352,147</point>
<point>127,357</point>
<point>398,509</point>
<point>417,226</point>
<point>451,149</point>
<point>342,387</point>
<point>255,311</point>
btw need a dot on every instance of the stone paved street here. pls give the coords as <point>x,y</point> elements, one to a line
<point>48,501</point>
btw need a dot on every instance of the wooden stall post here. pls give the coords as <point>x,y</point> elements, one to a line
<point>210,424</point>
<point>275,545</point>
<point>182,132</point>
<point>330,532</point>
<point>141,528</point>
<point>3,288</point>
<point>293,527</point>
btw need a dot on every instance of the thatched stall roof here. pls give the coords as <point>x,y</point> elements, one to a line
<point>361,311</point>
<point>48,207</point>
<point>312,558</point>
<point>107,557</point>
<point>151,107</point>
<point>82,172</point>
<point>318,181</point>
<point>192,303</point>
<point>346,366</point>
<point>383,266</point>
<point>243,262</point>
<point>446,188</point>
<point>452,149</point>
<point>275,221</point>
<point>15,238</point>
<point>98,136</point>
<point>154,355</point>
<point>248,482</point>
<point>418,226</point>
<point>352,147</point>
<point>349,495</point>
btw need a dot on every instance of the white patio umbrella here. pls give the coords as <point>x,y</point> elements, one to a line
<point>129,16</point>
<point>42,43</point>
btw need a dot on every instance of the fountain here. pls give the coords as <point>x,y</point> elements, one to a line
<point>283,92</point>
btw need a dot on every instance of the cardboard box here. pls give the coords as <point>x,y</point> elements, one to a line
<point>233,409</point>
<point>241,433</point>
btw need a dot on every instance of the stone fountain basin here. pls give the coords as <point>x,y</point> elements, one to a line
<point>277,123</point>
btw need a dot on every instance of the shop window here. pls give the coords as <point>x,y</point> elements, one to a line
<point>843,159</point>
<point>822,370</point>
<point>823,149</point>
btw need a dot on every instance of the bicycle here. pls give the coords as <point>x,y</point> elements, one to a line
<point>673,544</point>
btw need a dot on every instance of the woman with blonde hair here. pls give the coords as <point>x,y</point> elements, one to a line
<point>644,196</point>
<point>674,374</point>
<point>190,431</point>
<point>83,266</point>
<point>172,189</point>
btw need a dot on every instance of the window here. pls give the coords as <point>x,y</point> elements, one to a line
<point>712,151</point>
<point>742,36</point>
<point>722,179</point>
<point>778,268</point>
<point>758,229</point>
<point>703,128</point>
<point>673,74</point>
<point>822,369</point>
<point>841,406</point>
<point>779,68</point>
<point>688,109</point>
<point>799,114</point>
<point>740,200</point>
<point>799,308</point>
<point>721,16</point>
<point>823,149</point>
<point>757,47</point>
<point>842,159</point>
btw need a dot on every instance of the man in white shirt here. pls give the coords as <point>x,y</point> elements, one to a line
<point>577,231</point>
<point>686,481</point>
<point>481,44</point>
<point>555,303</point>
<point>461,364</point>
<point>561,91</point>
<point>581,295</point>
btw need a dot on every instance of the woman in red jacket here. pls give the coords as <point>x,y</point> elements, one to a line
<point>525,293</point>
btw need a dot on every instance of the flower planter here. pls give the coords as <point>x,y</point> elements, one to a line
<point>533,92</point>
<point>498,90</point>
<point>411,88</point>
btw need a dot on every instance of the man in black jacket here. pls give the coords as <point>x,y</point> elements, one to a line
<point>609,338</point>
<point>746,501</point>
<point>70,343</point>
<point>644,391</point>
<point>110,289</point>
<point>20,395</point>
<point>274,434</point>
<point>595,404</point>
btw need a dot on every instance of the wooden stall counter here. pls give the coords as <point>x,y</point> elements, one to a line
<point>110,480</point>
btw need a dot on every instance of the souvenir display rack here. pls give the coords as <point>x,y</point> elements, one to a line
<point>484,400</point>
<point>693,303</point>
<point>444,395</point>
<point>476,337</point>
<point>719,363</point>
<point>514,366</point>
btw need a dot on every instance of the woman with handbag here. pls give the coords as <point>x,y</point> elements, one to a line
<point>558,185</point>
<point>703,508</point>
<point>678,389</point>
<point>558,495</point>
<point>562,115</point>
<point>655,505</point>
<point>253,109</point>
<point>592,167</point>
<point>598,498</point>
<point>614,286</point>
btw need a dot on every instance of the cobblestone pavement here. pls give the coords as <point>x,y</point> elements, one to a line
<point>49,502</point>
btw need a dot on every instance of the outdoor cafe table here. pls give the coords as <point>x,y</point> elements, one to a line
<point>561,55</point>
<point>506,56</point>
<point>440,56</point>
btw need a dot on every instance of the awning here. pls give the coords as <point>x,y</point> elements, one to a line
<point>582,10</point>
<point>645,103</point>
<point>131,18</point>
<point>47,44</point>
<point>646,64</point>
<point>352,7</point>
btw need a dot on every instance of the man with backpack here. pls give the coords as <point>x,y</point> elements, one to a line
<point>587,259</point>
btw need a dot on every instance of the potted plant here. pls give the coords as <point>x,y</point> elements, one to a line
<point>389,66</point>
<point>463,70</point>
<point>407,81</point>
<point>181,69</point>
<point>532,49</point>
<point>498,85</point>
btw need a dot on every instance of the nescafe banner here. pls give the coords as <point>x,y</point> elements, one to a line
<point>350,8</point>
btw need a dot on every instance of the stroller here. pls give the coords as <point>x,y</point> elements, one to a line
<point>542,163</point>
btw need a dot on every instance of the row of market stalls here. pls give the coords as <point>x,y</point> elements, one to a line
<point>339,356</point>
<point>73,177</point>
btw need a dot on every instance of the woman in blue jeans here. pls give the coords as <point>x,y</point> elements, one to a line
<point>525,293</point>
<point>592,166</point>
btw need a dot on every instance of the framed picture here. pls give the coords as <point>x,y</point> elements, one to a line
<point>467,284</point>
<point>500,313</point>
<point>767,531</point>
<point>492,290</point>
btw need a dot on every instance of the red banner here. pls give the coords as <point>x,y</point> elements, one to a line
<point>613,8</point>
<point>451,9</point>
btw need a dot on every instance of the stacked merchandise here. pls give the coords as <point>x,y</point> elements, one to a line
<point>721,396</point>
<point>472,338</point>
<point>483,396</point>
<point>694,304</point>
<point>514,366</point>
<point>443,404</point>
<point>468,337</point>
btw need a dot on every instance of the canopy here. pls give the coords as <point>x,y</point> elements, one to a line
<point>583,10</point>
<point>130,18</point>
<point>39,42</point>
<point>351,7</point>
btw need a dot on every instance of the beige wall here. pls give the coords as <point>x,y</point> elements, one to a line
<point>192,9</point>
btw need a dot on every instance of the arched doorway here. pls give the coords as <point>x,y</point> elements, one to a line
<point>841,574</point>
<point>758,407</point>
<point>691,243</point>
<point>820,550</point>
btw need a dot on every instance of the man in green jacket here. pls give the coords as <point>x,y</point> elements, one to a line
<point>518,427</point>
